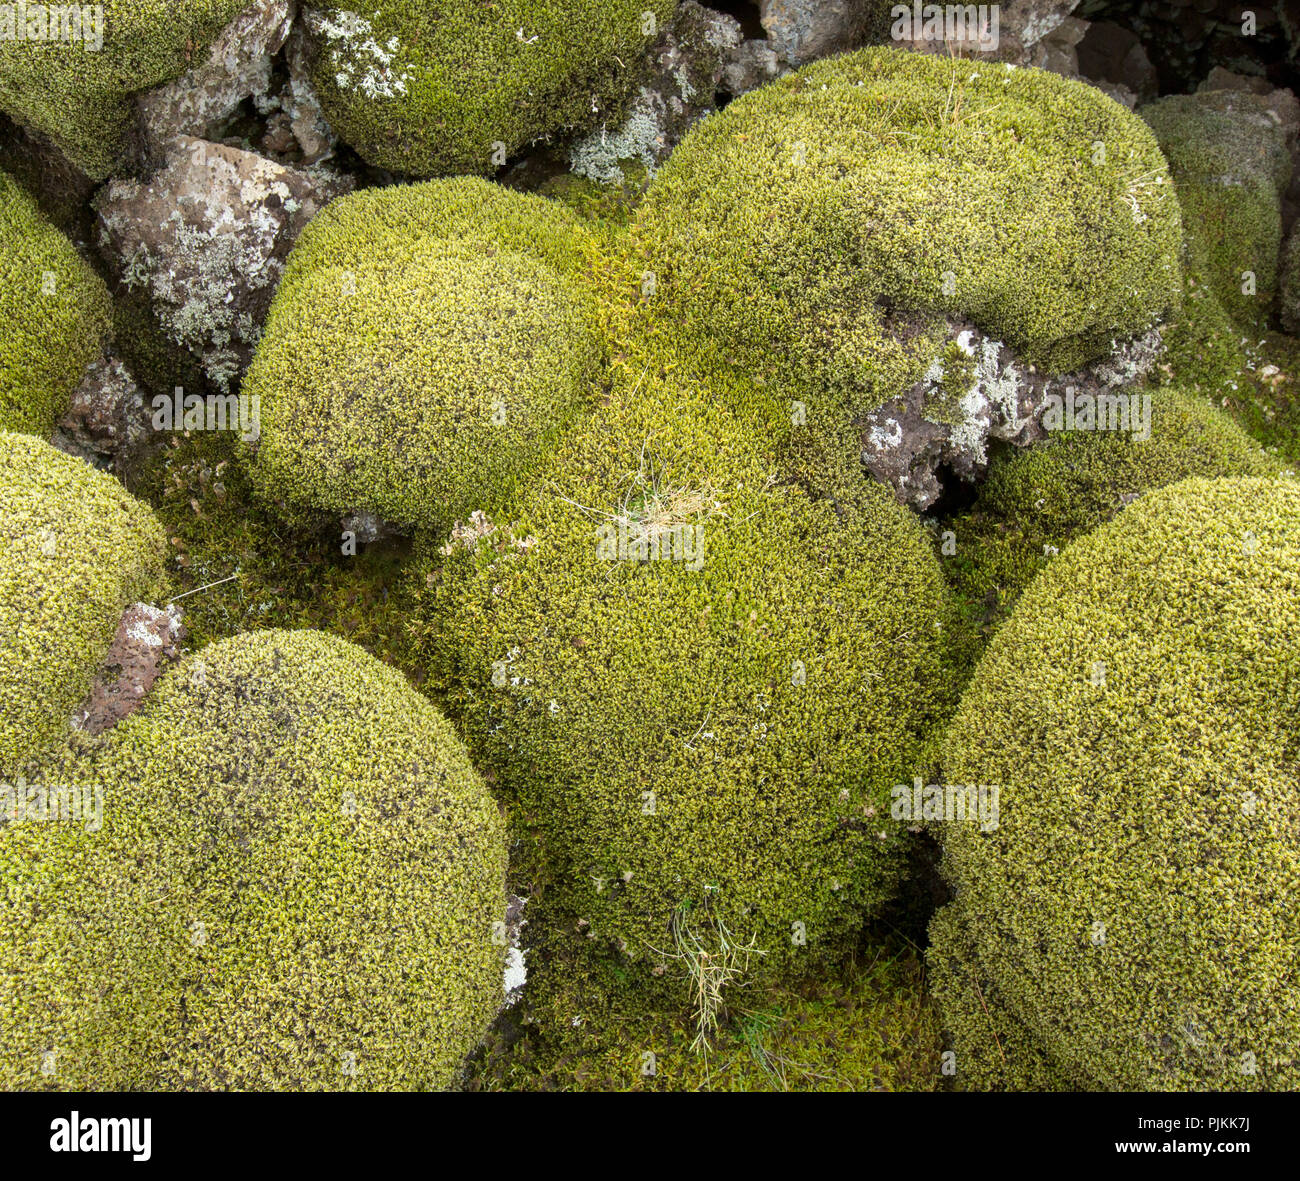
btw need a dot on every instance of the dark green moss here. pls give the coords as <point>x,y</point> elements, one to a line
<point>460,86</point>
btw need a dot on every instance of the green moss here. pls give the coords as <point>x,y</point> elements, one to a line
<point>75,551</point>
<point>702,744</point>
<point>294,888</point>
<point>1288,287</point>
<point>54,311</point>
<point>1140,714</point>
<point>434,91</point>
<point>819,228</point>
<point>1267,399</point>
<point>1038,499</point>
<point>1228,157</point>
<point>863,1026</point>
<point>425,346</point>
<point>236,566</point>
<point>82,99</point>
<point>989,1046</point>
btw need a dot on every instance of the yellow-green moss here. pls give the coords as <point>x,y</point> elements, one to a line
<point>294,888</point>
<point>819,228</point>
<point>700,744</point>
<point>75,551</point>
<point>432,91</point>
<point>425,346</point>
<point>81,99</point>
<point>1036,500</point>
<point>1132,911</point>
<point>54,315</point>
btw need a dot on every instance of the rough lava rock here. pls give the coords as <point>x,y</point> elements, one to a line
<point>300,104</point>
<point>1111,53</point>
<point>686,70</point>
<point>147,640</point>
<point>800,31</point>
<point>207,237</point>
<point>106,422</point>
<point>753,64</point>
<point>1023,31</point>
<point>909,439</point>
<point>238,67</point>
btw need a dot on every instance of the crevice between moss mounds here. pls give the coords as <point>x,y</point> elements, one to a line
<point>912,440</point>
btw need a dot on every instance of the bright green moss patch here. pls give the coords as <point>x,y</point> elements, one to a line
<point>1036,500</point>
<point>1132,910</point>
<point>75,551</point>
<point>700,744</point>
<point>82,99</point>
<point>458,87</point>
<point>54,314</point>
<point>294,888</point>
<point>864,1026</point>
<point>426,345</point>
<point>819,228</point>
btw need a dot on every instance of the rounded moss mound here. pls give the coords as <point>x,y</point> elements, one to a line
<point>1036,500</point>
<point>77,89</point>
<point>424,347</point>
<point>1140,713</point>
<point>699,684</point>
<point>449,89</point>
<point>294,887</point>
<point>825,223</point>
<point>54,310</point>
<point>75,551</point>
<point>1228,157</point>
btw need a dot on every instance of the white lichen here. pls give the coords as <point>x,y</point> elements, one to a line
<point>358,60</point>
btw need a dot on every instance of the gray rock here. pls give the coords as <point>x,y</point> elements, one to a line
<point>1058,51</point>
<point>106,422</point>
<point>1027,22</point>
<point>238,67</point>
<point>686,70</point>
<point>206,238</point>
<point>801,31</point>
<point>148,638</point>
<point>316,139</point>
<point>907,441</point>
<point>1020,28</point>
<point>753,64</point>
<point>1111,53</point>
